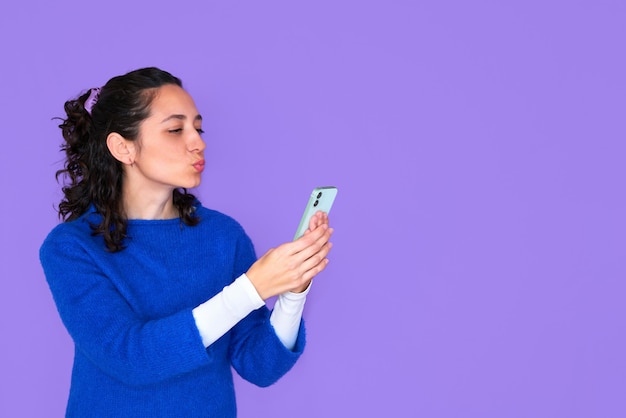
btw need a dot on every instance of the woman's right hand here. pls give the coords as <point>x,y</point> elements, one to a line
<point>291,266</point>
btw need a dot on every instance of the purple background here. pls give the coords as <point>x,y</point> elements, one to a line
<point>478,268</point>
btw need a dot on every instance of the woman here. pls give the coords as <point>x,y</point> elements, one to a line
<point>160,294</point>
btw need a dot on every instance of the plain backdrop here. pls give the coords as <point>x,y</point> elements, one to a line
<point>478,148</point>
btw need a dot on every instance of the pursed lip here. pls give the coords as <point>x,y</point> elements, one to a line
<point>199,165</point>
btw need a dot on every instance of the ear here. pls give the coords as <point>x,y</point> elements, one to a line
<point>121,149</point>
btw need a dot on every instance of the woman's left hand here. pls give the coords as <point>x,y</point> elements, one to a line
<point>292,265</point>
<point>317,219</point>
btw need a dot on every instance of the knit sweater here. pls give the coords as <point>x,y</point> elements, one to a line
<point>138,352</point>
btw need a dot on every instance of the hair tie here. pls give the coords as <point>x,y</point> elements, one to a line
<point>92,99</point>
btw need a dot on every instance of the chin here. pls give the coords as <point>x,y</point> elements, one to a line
<point>191,184</point>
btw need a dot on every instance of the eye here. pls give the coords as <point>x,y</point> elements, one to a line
<point>175,131</point>
<point>200,131</point>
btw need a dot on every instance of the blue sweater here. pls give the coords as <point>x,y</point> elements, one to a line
<point>138,352</point>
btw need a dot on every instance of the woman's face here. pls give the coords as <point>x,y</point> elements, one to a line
<point>169,150</point>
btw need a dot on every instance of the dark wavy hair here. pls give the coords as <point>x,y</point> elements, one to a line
<point>93,176</point>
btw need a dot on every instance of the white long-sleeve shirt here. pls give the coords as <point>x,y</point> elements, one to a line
<point>222,312</point>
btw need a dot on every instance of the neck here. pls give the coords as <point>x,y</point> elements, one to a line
<point>141,205</point>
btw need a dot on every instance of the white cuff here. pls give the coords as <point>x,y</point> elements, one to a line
<point>218,315</point>
<point>287,315</point>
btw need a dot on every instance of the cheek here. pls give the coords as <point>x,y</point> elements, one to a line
<point>174,149</point>
<point>163,153</point>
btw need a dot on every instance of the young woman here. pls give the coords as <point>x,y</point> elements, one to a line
<point>161,295</point>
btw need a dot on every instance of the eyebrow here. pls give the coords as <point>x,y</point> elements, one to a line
<point>180,117</point>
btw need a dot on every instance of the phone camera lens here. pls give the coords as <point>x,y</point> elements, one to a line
<point>316,202</point>
<point>319,195</point>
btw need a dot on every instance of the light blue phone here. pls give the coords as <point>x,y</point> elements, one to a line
<point>322,198</point>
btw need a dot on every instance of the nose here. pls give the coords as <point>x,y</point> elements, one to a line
<point>196,143</point>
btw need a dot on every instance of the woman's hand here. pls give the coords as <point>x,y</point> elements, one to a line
<point>292,266</point>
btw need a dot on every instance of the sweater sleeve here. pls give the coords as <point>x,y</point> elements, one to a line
<point>106,329</point>
<point>256,352</point>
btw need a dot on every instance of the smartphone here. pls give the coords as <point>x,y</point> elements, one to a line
<point>321,199</point>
